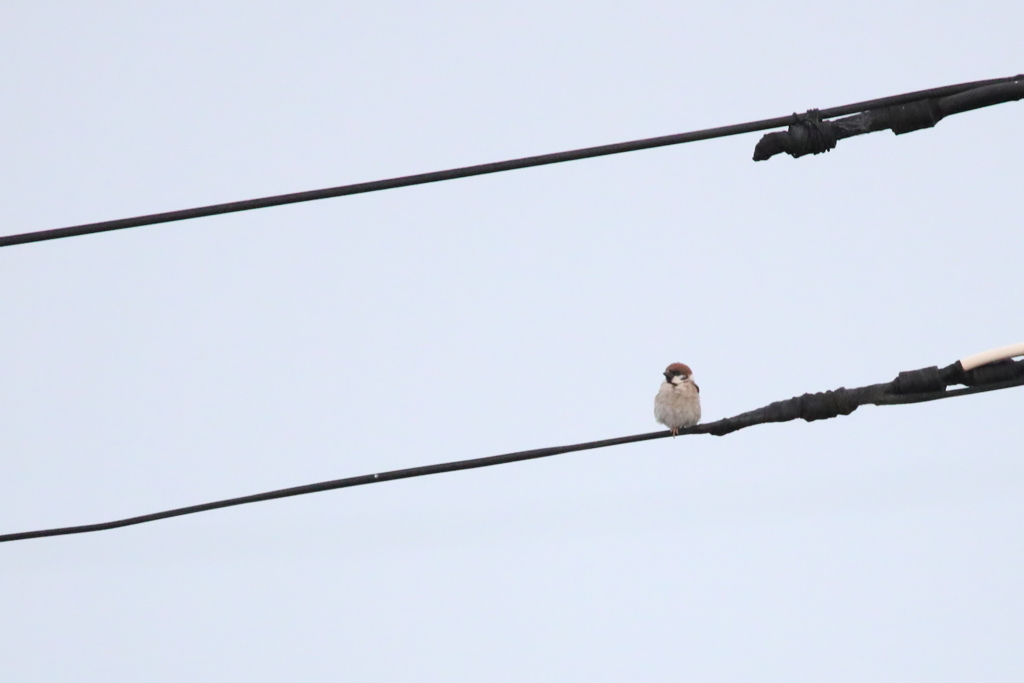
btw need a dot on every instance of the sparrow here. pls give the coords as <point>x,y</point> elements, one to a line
<point>677,404</point>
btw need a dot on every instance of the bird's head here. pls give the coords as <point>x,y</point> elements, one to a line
<point>677,373</point>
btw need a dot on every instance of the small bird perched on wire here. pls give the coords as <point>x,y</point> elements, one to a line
<point>677,404</point>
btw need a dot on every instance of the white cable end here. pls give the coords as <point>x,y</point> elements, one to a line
<point>992,356</point>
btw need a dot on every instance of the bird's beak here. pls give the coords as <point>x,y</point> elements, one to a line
<point>668,377</point>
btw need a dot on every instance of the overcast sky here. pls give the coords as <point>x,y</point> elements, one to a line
<point>170,365</point>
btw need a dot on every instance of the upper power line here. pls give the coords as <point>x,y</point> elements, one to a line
<point>987,371</point>
<point>808,133</point>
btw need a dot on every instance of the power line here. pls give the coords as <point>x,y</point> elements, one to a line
<point>819,138</point>
<point>916,386</point>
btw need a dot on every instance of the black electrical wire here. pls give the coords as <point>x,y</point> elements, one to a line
<point>482,169</point>
<point>916,386</point>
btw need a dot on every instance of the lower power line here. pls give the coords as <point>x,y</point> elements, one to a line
<point>915,386</point>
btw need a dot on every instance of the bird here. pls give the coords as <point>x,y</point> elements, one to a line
<point>677,404</point>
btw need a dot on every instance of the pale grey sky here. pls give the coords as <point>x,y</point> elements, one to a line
<point>170,365</point>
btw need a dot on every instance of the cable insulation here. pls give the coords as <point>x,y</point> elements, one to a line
<point>808,407</point>
<point>481,169</point>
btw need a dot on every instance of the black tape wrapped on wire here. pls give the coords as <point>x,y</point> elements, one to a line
<point>809,134</point>
<point>913,386</point>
